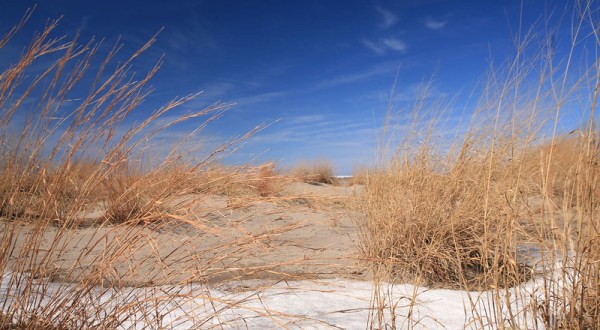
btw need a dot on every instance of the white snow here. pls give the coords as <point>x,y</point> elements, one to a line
<point>301,304</point>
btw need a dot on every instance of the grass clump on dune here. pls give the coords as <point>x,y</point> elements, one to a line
<point>320,171</point>
<point>510,205</point>
<point>441,219</point>
<point>70,161</point>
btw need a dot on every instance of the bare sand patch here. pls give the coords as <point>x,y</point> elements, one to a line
<point>304,232</point>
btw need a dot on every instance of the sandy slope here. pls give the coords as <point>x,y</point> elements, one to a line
<point>303,233</point>
<point>285,262</point>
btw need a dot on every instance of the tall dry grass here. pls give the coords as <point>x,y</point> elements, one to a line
<point>83,215</point>
<point>509,210</point>
<point>319,171</point>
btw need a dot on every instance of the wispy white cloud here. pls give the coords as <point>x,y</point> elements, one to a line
<point>218,90</point>
<point>304,119</point>
<point>375,48</point>
<point>383,68</point>
<point>346,142</point>
<point>385,45</point>
<point>211,93</point>
<point>433,24</point>
<point>327,130</point>
<point>388,19</point>
<point>395,44</point>
<point>260,98</point>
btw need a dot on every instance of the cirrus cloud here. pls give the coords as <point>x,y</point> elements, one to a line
<point>388,19</point>
<point>433,24</point>
<point>385,45</point>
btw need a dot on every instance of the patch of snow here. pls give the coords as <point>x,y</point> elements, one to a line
<point>300,304</point>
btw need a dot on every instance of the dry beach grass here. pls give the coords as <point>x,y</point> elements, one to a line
<point>81,207</point>
<point>319,171</point>
<point>510,201</point>
<point>510,204</point>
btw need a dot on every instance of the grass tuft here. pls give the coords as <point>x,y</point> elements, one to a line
<point>82,210</point>
<point>508,210</point>
<point>320,171</point>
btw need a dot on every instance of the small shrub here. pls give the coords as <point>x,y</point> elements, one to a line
<point>318,172</point>
<point>268,181</point>
<point>430,226</point>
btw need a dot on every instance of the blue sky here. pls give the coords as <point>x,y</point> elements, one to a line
<point>320,72</point>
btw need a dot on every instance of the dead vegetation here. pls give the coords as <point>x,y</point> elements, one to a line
<point>455,215</point>
<point>319,171</point>
<point>509,205</point>
<point>69,163</point>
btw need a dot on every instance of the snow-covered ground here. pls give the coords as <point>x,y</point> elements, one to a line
<point>301,304</point>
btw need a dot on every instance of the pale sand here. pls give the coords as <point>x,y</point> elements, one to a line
<point>305,232</point>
